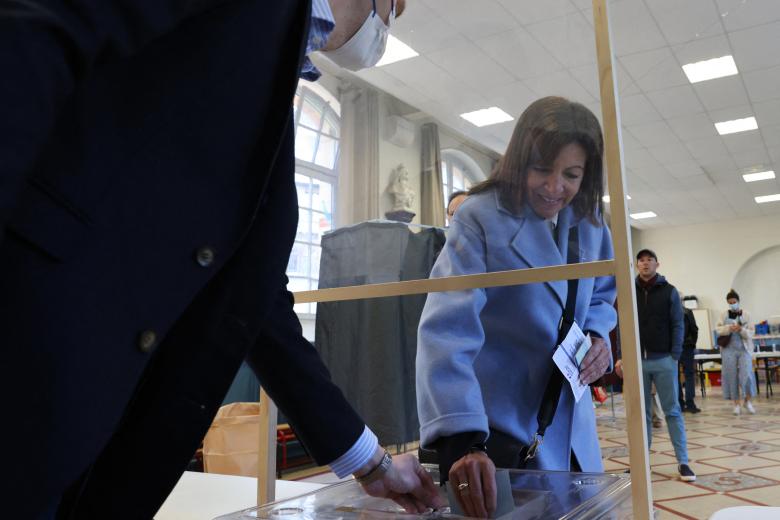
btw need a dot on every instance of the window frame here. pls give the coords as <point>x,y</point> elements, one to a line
<point>314,171</point>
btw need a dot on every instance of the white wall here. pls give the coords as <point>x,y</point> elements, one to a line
<point>705,259</point>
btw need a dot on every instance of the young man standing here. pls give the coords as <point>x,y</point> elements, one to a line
<point>660,316</point>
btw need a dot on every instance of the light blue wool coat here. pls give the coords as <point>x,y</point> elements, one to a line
<point>484,356</point>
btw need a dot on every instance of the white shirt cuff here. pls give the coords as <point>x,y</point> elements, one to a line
<point>357,456</point>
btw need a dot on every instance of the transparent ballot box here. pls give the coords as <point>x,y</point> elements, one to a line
<point>538,495</point>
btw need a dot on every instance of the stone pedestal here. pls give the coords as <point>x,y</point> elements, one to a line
<point>400,215</point>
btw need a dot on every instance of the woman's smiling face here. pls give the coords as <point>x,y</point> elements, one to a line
<point>550,188</point>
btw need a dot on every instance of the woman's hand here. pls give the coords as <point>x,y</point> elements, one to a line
<point>473,480</point>
<point>619,368</point>
<point>596,361</point>
<point>736,327</point>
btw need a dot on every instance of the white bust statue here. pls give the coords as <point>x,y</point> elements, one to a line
<point>401,189</point>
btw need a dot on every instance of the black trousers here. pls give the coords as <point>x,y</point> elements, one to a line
<point>687,364</point>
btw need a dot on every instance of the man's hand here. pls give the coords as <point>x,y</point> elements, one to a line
<point>473,480</point>
<point>619,368</point>
<point>596,361</point>
<point>408,484</point>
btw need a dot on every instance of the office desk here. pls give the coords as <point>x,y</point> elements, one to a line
<point>765,356</point>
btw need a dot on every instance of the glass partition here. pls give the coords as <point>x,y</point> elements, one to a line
<point>696,96</point>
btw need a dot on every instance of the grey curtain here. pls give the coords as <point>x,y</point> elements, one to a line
<point>370,346</point>
<point>431,189</point>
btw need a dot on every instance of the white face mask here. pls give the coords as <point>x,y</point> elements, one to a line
<point>734,306</point>
<point>366,47</point>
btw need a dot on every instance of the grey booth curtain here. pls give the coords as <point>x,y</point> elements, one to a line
<point>370,345</point>
<point>431,189</point>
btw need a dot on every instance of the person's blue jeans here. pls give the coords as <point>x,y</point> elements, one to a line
<point>663,372</point>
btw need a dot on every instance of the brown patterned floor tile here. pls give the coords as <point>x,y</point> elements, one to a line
<point>693,434</point>
<point>614,452</point>
<point>720,431</point>
<point>612,434</point>
<point>611,466</point>
<point>768,496</point>
<point>709,441</point>
<point>662,514</point>
<point>756,436</point>
<point>656,459</point>
<point>747,447</point>
<point>770,472</point>
<point>671,489</point>
<point>738,463</point>
<point>731,481</point>
<point>606,443</point>
<point>708,452</point>
<point>772,455</point>
<point>661,446</point>
<point>701,508</point>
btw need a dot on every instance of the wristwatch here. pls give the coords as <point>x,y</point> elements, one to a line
<point>378,471</point>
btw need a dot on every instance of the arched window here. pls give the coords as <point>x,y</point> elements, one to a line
<point>459,172</point>
<point>317,120</point>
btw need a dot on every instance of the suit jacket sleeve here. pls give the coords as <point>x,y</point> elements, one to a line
<point>46,47</point>
<point>292,373</point>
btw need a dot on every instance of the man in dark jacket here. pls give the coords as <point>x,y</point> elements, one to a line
<point>660,317</point>
<point>687,392</point>
<point>147,212</point>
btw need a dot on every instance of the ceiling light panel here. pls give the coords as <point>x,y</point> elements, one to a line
<point>396,50</point>
<point>768,198</point>
<point>487,116</point>
<point>710,69</point>
<point>736,125</point>
<point>643,215</point>
<point>759,176</point>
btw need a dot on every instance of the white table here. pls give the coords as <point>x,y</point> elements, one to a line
<point>204,496</point>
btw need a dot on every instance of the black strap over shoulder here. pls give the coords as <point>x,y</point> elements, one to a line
<point>552,391</point>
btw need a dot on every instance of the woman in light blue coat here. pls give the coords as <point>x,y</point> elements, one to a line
<point>485,356</point>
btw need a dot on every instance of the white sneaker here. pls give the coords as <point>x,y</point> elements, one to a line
<point>737,410</point>
<point>749,407</point>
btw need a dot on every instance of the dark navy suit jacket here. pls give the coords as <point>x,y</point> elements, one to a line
<point>147,211</point>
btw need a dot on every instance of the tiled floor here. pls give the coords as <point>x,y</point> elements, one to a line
<point>736,459</point>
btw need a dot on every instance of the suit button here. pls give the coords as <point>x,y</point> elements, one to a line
<point>204,256</point>
<point>147,341</point>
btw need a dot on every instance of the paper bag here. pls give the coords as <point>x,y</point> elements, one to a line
<point>232,444</point>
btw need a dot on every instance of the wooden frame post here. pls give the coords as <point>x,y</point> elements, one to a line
<point>633,392</point>
<point>266,468</point>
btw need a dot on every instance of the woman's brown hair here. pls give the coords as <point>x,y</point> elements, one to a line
<point>544,128</point>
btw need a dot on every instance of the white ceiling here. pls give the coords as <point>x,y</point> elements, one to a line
<point>479,53</point>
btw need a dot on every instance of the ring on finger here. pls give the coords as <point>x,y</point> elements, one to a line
<point>462,486</point>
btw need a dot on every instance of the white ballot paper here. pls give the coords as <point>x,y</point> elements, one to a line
<point>568,357</point>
